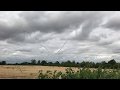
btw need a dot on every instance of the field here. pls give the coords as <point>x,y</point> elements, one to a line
<point>55,72</point>
<point>25,72</point>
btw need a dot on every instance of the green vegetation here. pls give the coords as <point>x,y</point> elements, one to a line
<point>112,64</point>
<point>84,73</point>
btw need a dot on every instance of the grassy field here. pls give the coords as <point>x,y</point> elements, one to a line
<point>26,72</point>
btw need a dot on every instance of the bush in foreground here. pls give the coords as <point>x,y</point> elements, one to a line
<point>84,73</point>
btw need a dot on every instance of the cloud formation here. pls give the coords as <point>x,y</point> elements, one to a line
<point>25,35</point>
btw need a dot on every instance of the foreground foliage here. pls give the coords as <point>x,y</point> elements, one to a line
<point>84,73</point>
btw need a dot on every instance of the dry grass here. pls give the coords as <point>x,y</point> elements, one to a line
<point>25,72</point>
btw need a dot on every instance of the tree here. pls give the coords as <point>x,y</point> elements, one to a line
<point>43,62</point>
<point>33,62</point>
<point>57,63</point>
<point>3,62</point>
<point>73,62</point>
<point>103,64</point>
<point>83,64</point>
<point>24,63</point>
<point>62,63</point>
<point>38,62</point>
<point>112,62</point>
<point>68,63</point>
<point>50,63</point>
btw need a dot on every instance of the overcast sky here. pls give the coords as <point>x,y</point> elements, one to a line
<point>59,35</point>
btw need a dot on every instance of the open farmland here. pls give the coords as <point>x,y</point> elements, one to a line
<point>32,72</point>
<point>25,72</point>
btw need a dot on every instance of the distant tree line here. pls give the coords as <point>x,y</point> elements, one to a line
<point>110,64</point>
<point>3,63</point>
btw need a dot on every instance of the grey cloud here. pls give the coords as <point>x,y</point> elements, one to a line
<point>20,38</point>
<point>89,25</point>
<point>7,32</point>
<point>52,29</point>
<point>94,38</point>
<point>116,50</point>
<point>102,35</point>
<point>46,22</point>
<point>29,38</point>
<point>113,24</point>
<point>105,43</point>
<point>24,50</point>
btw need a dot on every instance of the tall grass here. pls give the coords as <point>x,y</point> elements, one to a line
<point>84,73</point>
